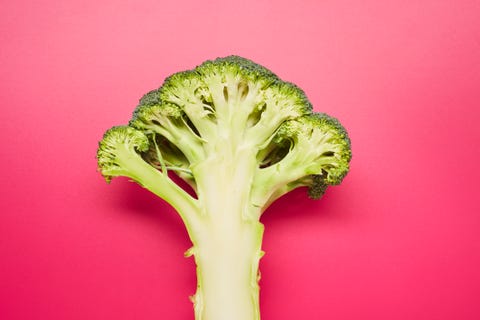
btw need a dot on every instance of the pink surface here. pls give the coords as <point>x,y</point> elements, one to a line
<point>398,240</point>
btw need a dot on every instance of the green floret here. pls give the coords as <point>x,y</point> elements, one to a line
<point>187,91</point>
<point>236,65</point>
<point>169,121</point>
<point>117,146</point>
<point>311,151</point>
<point>151,98</point>
<point>332,152</point>
<point>316,186</point>
<point>275,105</point>
<point>241,138</point>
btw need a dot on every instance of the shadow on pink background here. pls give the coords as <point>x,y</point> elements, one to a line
<point>399,239</point>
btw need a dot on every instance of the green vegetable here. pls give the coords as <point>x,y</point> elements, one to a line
<point>241,138</point>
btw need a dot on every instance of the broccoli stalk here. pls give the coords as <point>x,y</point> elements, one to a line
<point>241,138</point>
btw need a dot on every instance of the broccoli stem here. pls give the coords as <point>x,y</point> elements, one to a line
<point>228,249</point>
<point>227,272</point>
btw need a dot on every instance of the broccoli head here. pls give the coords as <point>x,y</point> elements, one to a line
<point>241,138</point>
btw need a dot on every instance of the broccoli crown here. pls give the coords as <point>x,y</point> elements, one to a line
<point>221,111</point>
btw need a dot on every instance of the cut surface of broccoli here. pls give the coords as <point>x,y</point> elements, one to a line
<point>241,138</point>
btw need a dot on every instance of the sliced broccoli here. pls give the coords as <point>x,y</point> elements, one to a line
<point>241,138</point>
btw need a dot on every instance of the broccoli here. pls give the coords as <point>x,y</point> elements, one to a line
<point>241,138</point>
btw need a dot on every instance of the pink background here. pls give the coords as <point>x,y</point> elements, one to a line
<point>398,240</point>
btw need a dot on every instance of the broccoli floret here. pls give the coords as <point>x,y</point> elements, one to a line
<point>311,151</point>
<point>118,145</point>
<point>241,138</point>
